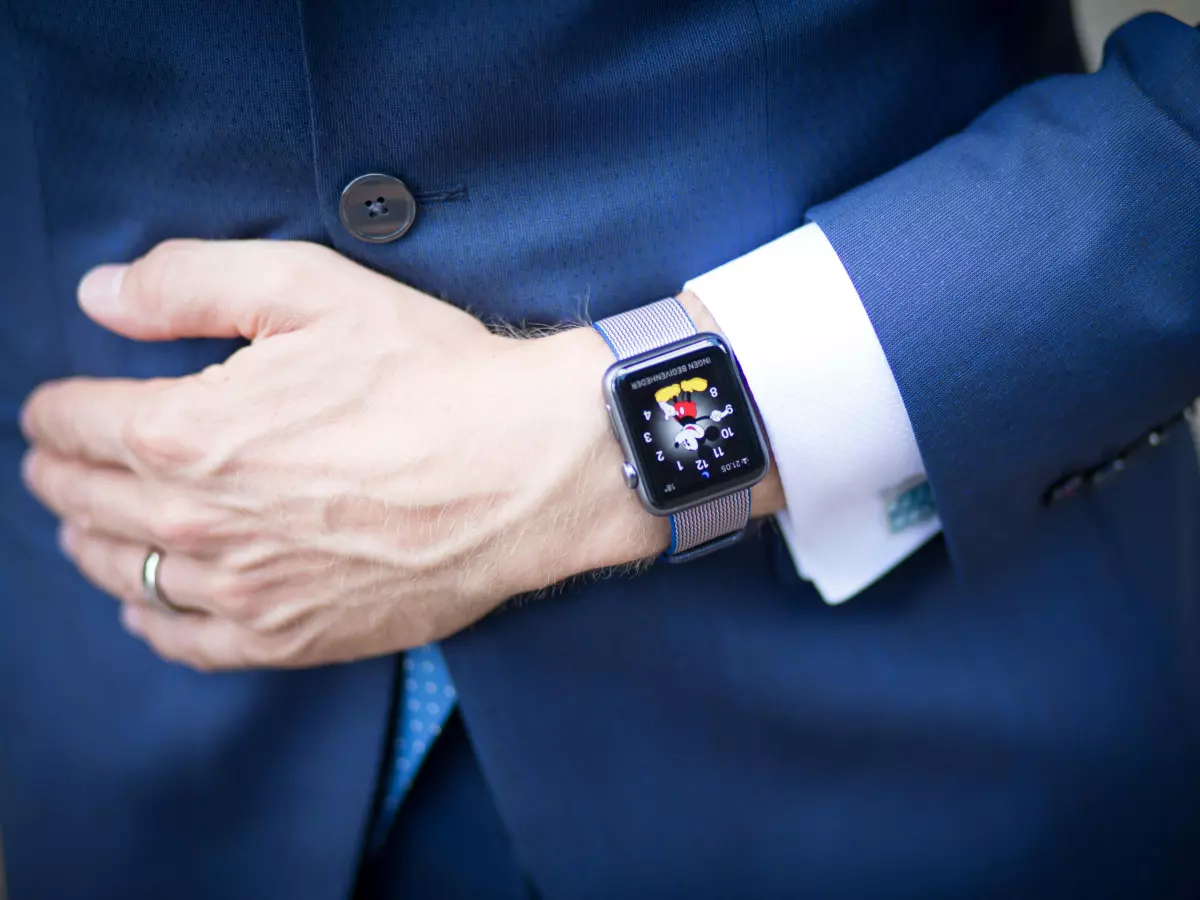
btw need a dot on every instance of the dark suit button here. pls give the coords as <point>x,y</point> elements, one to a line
<point>377,208</point>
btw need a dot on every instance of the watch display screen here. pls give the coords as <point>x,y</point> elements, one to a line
<point>691,425</point>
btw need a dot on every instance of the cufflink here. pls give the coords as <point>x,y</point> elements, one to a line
<point>909,503</point>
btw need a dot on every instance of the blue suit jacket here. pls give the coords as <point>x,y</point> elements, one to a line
<point>1013,711</point>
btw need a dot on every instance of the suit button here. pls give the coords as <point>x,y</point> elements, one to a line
<point>377,208</point>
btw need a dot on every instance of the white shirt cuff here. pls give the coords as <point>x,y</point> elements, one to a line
<point>838,429</point>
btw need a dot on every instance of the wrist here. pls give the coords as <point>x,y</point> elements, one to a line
<point>583,516</point>
<point>589,518</point>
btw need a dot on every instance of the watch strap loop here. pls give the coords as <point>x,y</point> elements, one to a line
<point>710,526</point>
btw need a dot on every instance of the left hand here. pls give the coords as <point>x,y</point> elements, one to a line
<point>374,471</point>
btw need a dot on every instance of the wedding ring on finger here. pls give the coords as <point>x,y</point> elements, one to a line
<point>150,589</point>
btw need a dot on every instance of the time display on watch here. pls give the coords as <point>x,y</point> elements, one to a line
<point>687,418</point>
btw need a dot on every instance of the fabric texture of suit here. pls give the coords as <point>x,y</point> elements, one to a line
<point>1012,711</point>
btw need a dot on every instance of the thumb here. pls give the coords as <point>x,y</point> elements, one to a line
<point>192,288</point>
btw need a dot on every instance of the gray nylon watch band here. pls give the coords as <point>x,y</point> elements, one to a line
<point>715,523</point>
<point>709,526</point>
<point>646,328</point>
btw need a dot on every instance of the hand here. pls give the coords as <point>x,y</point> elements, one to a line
<point>374,471</point>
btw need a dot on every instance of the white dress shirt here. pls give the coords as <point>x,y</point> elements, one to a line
<point>838,429</point>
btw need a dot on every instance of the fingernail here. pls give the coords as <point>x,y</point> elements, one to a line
<point>26,421</point>
<point>100,289</point>
<point>131,617</point>
<point>68,535</point>
<point>28,463</point>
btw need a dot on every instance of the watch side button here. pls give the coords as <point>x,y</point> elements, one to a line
<point>630,474</point>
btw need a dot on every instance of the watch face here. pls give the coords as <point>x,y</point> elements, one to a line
<point>688,420</point>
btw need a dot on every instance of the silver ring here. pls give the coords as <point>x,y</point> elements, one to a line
<point>150,584</point>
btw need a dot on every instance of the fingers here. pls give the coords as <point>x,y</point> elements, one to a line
<point>214,643</point>
<point>215,634</point>
<point>222,629</point>
<point>206,643</point>
<point>125,506</point>
<point>192,288</point>
<point>115,567</point>
<point>87,418</point>
<point>183,289</point>
<point>152,426</point>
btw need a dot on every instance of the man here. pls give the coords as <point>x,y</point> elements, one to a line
<point>955,271</point>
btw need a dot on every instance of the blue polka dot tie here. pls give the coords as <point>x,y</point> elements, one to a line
<point>423,708</point>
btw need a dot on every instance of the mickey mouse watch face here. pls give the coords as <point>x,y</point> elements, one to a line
<point>686,423</point>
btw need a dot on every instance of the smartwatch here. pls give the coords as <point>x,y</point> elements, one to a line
<point>692,439</point>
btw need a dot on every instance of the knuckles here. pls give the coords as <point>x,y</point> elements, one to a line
<point>184,528</point>
<point>234,597</point>
<point>159,437</point>
<point>246,596</point>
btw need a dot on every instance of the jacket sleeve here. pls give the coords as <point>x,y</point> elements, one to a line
<point>1034,281</point>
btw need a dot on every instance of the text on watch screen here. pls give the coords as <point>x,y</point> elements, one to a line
<point>690,426</point>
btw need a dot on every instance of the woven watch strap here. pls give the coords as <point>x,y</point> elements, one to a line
<point>646,328</point>
<point>716,523</point>
<point>709,526</point>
